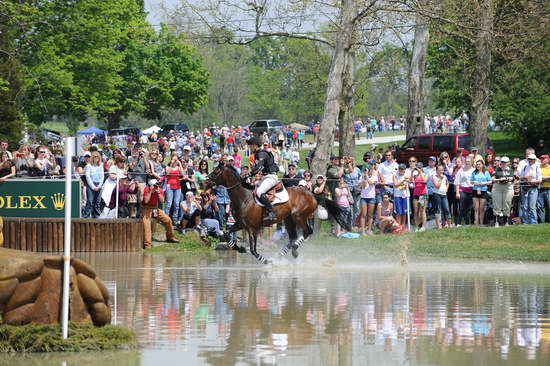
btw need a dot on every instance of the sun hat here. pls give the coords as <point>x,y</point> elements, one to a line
<point>504,159</point>
<point>153,182</point>
<point>320,176</point>
<point>531,157</point>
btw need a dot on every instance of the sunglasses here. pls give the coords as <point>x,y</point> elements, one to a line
<point>412,161</point>
<point>42,152</point>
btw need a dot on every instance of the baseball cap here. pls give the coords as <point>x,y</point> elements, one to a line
<point>87,153</point>
<point>474,148</point>
<point>334,157</point>
<point>432,158</point>
<point>402,166</point>
<point>531,157</point>
<point>230,158</point>
<point>320,176</point>
<point>505,159</point>
<point>186,148</point>
<point>545,156</point>
<point>153,182</point>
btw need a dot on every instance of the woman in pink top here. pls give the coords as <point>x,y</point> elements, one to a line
<point>237,158</point>
<point>420,198</point>
<point>173,187</point>
<point>342,198</point>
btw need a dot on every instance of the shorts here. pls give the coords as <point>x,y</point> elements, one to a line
<point>400,205</point>
<point>368,201</point>
<point>422,199</point>
<point>482,194</point>
<point>378,198</point>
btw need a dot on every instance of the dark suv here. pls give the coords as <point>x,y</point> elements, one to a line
<point>424,146</point>
<point>260,126</point>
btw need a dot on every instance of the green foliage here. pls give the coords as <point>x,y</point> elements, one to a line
<point>48,338</point>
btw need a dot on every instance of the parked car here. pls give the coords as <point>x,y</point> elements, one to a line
<point>125,131</point>
<point>50,135</point>
<point>182,127</point>
<point>260,126</point>
<point>424,146</point>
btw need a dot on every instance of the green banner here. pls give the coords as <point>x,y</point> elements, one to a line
<point>37,198</point>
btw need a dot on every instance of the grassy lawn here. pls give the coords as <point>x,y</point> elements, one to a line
<point>520,243</point>
<point>507,145</point>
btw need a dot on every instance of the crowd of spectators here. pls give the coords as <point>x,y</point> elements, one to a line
<point>163,177</point>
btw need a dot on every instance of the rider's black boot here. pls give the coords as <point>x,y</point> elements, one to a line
<point>270,216</point>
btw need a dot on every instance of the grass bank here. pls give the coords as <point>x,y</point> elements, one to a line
<point>517,243</point>
<point>82,337</point>
<point>188,242</point>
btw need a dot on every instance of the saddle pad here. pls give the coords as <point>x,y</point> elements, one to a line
<point>280,197</point>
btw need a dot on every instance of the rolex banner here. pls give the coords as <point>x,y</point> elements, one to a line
<point>37,198</point>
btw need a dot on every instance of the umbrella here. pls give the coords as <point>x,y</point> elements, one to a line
<point>151,130</point>
<point>298,126</point>
<point>90,131</point>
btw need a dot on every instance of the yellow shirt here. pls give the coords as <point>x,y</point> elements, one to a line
<point>545,172</point>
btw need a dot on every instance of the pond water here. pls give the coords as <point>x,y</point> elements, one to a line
<point>337,305</point>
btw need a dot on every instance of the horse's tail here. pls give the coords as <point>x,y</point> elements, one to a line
<point>337,214</point>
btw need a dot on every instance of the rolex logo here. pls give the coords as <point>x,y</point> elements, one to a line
<point>58,200</point>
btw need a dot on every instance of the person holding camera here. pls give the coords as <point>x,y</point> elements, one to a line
<point>420,196</point>
<point>139,168</point>
<point>152,196</point>
<point>352,176</point>
<point>210,212</point>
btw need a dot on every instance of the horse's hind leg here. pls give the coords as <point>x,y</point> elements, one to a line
<point>253,238</point>
<point>292,235</point>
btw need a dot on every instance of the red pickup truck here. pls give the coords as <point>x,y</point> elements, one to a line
<point>424,146</point>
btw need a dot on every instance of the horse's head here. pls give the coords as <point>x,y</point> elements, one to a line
<point>224,175</point>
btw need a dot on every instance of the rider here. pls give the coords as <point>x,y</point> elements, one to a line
<point>264,162</point>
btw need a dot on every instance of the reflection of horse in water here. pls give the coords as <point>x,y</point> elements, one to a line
<point>250,216</point>
<point>253,323</point>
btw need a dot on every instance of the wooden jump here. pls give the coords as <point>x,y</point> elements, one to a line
<point>88,235</point>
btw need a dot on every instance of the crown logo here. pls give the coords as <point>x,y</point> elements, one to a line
<point>58,200</point>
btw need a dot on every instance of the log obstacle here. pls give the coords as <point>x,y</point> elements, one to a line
<point>88,235</point>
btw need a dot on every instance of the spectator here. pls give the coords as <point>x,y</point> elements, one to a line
<point>475,155</point>
<point>344,200</point>
<point>530,178</point>
<point>368,183</point>
<point>237,158</point>
<point>139,168</point>
<point>4,147</point>
<point>7,167</point>
<point>441,186</point>
<point>94,180</point>
<point>387,170</point>
<point>173,188</point>
<point>430,172</point>
<point>543,201</point>
<point>286,155</point>
<point>420,198</point>
<point>463,179</point>
<point>201,174</point>
<point>153,195</point>
<point>401,194</point>
<point>352,176</point>
<point>210,213</point>
<point>503,191</point>
<point>307,182</point>
<point>156,169</point>
<point>222,203</point>
<point>24,160</point>
<point>44,162</point>
<point>295,157</point>
<point>334,172</point>
<point>291,179</point>
<point>481,179</point>
<point>190,212</point>
<point>385,214</point>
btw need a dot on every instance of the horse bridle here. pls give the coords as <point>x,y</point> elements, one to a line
<point>228,188</point>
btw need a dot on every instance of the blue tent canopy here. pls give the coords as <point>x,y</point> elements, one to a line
<point>90,130</point>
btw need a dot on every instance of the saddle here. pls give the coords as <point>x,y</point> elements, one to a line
<point>277,194</point>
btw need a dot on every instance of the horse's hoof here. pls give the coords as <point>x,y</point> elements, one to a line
<point>295,252</point>
<point>241,249</point>
<point>267,261</point>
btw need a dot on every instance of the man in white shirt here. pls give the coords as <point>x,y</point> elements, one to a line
<point>523,163</point>
<point>388,169</point>
<point>530,178</point>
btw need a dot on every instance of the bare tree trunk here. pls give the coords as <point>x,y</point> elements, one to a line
<point>347,117</point>
<point>481,86</point>
<point>334,90</point>
<point>415,112</point>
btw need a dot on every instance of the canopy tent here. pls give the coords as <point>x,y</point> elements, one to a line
<point>298,126</point>
<point>151,130</point>
<point>90,131</point>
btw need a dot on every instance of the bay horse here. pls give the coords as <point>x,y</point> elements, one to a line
<point>250,216</point>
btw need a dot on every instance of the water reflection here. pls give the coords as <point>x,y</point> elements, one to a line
<point>222,310</point>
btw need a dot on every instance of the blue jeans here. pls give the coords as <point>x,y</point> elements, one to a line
<point>529,204</point>
<point>221,213</point>
<point>543,203</point>
<point>93,200</point>
<point>441,206</point>
<point>172,199</point>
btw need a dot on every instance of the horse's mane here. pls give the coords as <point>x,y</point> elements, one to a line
<point>243,182</point>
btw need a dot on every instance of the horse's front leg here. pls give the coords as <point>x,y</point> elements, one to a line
<point>292,235</point>
<point>233,243</point>
<point>253,238</point>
